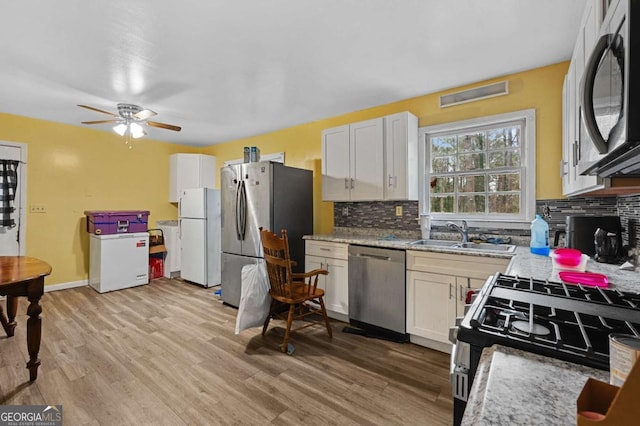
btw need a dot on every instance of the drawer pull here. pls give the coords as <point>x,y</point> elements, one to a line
<point>325,249</point>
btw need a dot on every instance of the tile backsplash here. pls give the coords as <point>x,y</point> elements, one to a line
<point>382,215</point>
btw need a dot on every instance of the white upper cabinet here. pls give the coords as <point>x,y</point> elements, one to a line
<point>371,160</point>
<point>336,178</point>
<point>188,171</point>
<point>352,161</point>
<point>577,148</point>
<point>366,159</point>
<point>401,156</point>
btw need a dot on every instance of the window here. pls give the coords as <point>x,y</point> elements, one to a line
<point>482,170</point>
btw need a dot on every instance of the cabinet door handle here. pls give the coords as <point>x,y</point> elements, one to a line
<point>450,286</point>
<point>462,295</point>
<point>352,183</point>
<point>575,153</point>
<point>346,183</point>
<point>390,180</point>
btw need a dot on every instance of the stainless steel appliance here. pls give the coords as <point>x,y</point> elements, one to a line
<point>263,194</point>
<point>377,291</point>
<point>610,101</point>
<point>568,322</point>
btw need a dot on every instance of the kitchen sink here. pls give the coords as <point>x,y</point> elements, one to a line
<point>435,243</point>
<point>455,245</point>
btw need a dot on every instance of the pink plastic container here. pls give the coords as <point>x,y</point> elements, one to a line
<point>585,278</point>
<point>567,256</point>
<point>116,222</point>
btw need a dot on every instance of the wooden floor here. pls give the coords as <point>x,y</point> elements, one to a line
<point>166,353</point>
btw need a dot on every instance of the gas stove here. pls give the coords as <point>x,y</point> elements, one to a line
<point>565,321</point>
<point>558,320</point>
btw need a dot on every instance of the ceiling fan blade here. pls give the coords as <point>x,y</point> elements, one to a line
<point>100,121</point>
<point>164,126</point>
<point>98,110</point>
<point>144,114</point>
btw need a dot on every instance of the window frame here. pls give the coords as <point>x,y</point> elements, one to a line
<point>527,169</point>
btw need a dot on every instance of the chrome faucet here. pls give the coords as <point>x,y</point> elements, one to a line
<point>464,230</point>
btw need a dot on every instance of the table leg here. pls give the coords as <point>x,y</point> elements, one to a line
<point>12,308</point>
<point>34,327</point>
<point>3,321</point>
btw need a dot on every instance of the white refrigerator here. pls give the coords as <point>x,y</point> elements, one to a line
<point>118,261</point>
<point>200,235</point>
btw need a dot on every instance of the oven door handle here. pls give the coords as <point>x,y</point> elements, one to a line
<point>587,92</point>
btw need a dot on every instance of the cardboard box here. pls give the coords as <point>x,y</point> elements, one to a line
<point>156,241</point>
<point>603,404</point>
<point>116,222</point>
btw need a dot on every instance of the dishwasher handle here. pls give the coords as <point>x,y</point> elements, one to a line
<point>373,256</point>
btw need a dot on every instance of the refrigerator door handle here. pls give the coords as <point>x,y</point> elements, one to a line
<point>243,210</point>
<point>238,210</point>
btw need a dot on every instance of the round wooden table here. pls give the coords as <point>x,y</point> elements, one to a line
<point>22,276</point>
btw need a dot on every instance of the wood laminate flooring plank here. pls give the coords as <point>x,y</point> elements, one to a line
<point>167,354</point>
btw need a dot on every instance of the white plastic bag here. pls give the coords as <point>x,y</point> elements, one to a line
<point>254,297</point>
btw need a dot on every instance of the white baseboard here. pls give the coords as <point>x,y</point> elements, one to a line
<point>64,286</point>
<point>338,316</point>
<point>438,346</point>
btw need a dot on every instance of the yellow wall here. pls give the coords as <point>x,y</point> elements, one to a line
<point>540,88</point>
<point>71,169</point>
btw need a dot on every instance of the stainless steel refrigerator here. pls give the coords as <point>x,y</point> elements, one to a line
<point>199,228</point>
<point>263,194</point>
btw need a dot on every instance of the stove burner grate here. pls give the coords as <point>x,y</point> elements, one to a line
<point>571,322</point>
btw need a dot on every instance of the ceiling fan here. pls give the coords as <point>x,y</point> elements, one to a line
<point>130,119</point>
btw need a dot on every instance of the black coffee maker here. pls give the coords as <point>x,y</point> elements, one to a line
<point>606,244</point>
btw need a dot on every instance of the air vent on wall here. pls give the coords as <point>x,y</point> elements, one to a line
<point>475,94</point>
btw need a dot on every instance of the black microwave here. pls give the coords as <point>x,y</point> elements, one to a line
<point>610,94</point>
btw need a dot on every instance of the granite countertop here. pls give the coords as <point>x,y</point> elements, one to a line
<point>167,223</point>
<point>513,387</point>
<point>400,243</point>
<point>523,263</point>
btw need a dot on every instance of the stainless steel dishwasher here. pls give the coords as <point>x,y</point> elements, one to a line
<point>377,291</point>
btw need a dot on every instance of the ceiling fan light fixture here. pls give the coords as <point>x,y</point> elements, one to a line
<point>120,129</point>
<point>136,130</point>
<point>130,120</point>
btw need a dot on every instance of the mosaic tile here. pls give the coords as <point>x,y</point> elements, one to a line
<point>377,215</point>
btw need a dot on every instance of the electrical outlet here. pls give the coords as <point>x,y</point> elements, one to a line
<point>38,208</point>
<point>345,211</point>
<point>398,210</point>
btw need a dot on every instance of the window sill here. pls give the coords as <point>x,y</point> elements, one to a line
<point>485,224</point>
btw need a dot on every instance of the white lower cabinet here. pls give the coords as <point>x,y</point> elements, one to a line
<point>334,258</point>
<point>430,308</point>
<point>437,284</point>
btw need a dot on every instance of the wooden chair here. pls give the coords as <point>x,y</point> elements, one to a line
<point>292,289</point>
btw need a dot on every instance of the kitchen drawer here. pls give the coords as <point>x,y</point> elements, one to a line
<point>455,264</point>
<point>327,249</point>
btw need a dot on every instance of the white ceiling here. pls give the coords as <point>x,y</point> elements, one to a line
<point>230,69</point>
